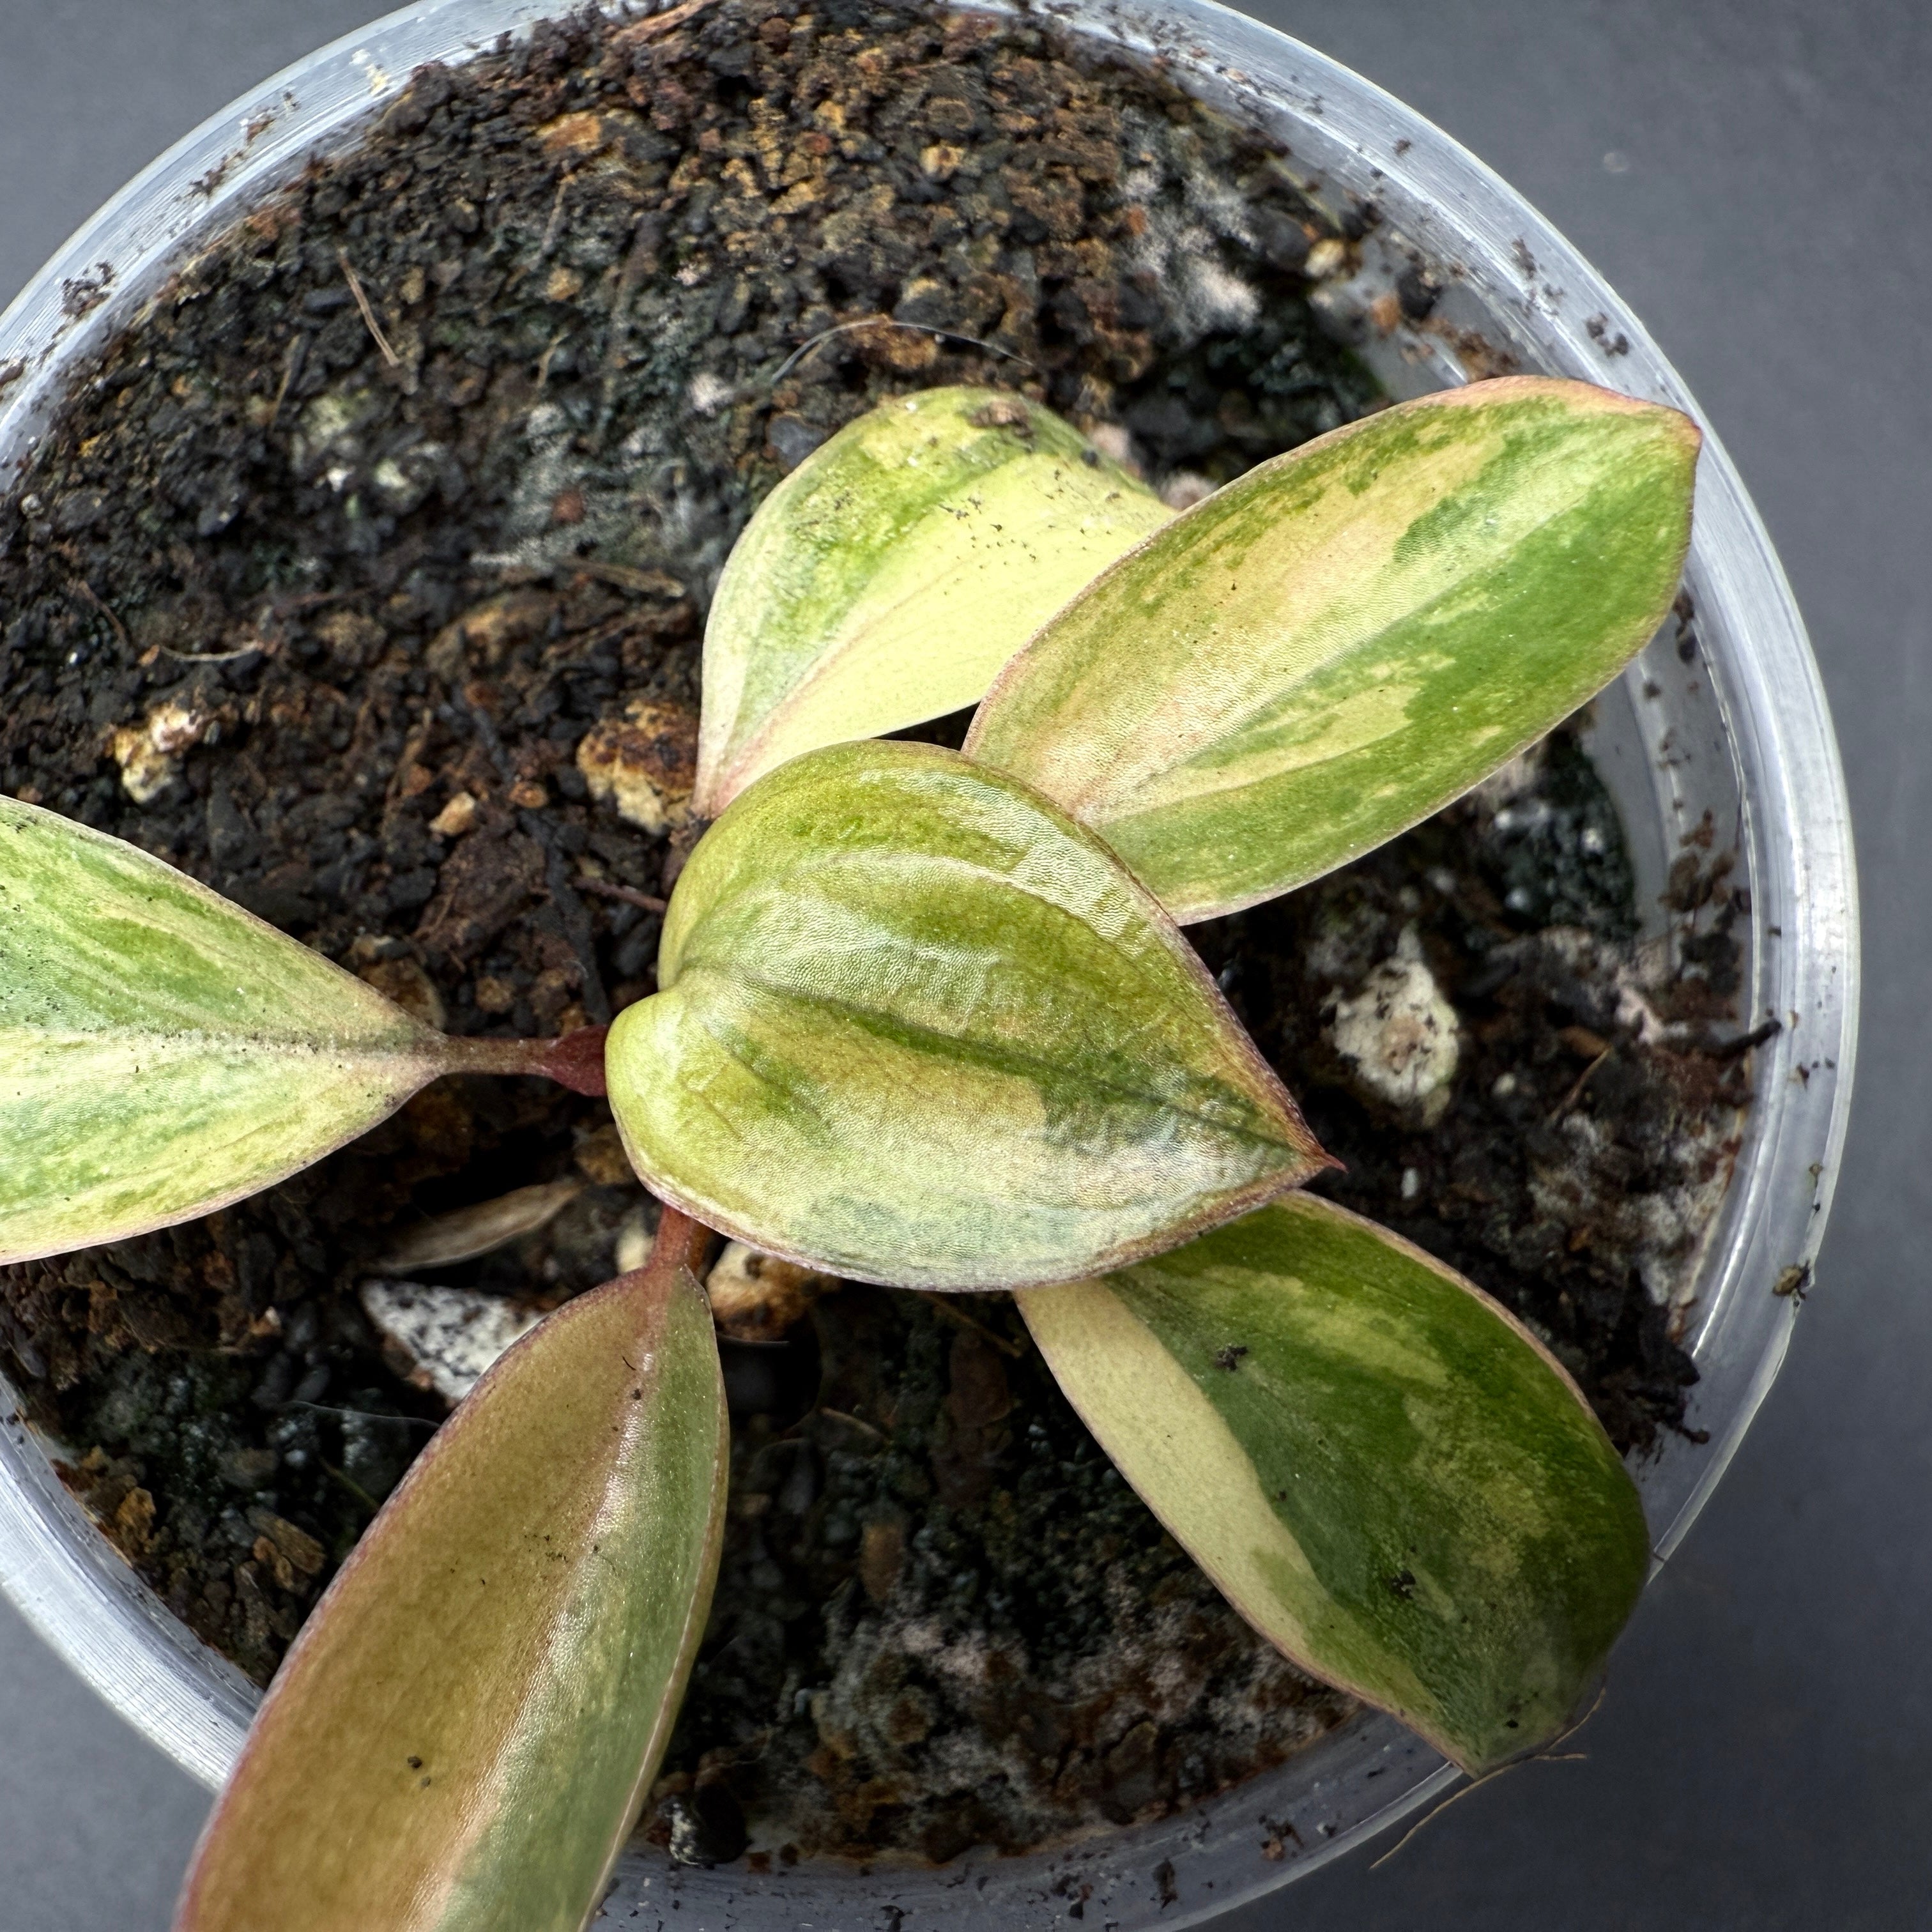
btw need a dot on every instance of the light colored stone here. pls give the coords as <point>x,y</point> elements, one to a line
<point>1326,259</point>
<point>1399,1035</point>
<point>1184,489</point>
<point>634,1241</point>
<point>448,1337</point>
<point>456,817</point>
<point>149,753</point>
<point>644,762</point>
<point>756,1298</point>
<point>1115,444</point>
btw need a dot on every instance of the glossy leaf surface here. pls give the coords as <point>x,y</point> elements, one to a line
<point>916,1026</point>
<point>162,1051</point>
<point>1351,635</point>
<point>1380,1470</point>
<point>890,575</point>
<point>461,1737</point>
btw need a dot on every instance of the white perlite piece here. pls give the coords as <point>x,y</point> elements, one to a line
<point>710,392</point>
<point>149,755</point>
<point>756,1296</point>
<point>633,1242</point>
<point>1399,1035</point>
<point>449,1336</point>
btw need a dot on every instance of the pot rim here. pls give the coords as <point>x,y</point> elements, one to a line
<point>1525,292</point>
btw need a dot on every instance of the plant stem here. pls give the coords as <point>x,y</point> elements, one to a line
<point>576,1060</point>
<point>680,1243</point>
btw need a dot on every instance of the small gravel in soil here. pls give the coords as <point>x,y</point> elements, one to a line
<point>321,612</point>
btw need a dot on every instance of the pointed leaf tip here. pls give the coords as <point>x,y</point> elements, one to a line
<point>916,1026</point>
<point>461,1737</point>
<point>1348,637</point>
<point>1381,1470</point>
<point>163,1052</point>
<point>888,577</point>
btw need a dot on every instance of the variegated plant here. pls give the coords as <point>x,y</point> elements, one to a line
<point>924,1018</point>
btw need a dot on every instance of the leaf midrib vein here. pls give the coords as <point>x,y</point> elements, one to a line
<point>982,1054</point>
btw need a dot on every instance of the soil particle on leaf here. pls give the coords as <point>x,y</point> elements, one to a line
<point>363,576</point>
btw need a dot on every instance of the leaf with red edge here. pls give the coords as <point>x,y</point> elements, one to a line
<point>461,1737</point>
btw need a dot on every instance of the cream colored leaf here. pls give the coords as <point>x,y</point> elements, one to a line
<point>1346,638</point>
<point>461,1736</point>
<point>914,1025</point>
<point>889,577</point>
<point>163,1052</point>
<point>1383,1472</point>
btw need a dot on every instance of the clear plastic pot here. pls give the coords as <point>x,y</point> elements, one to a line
<point>1741,731</point>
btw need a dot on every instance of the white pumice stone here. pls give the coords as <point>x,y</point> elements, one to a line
<point>1399,1035</point>
<point>449,1337</point>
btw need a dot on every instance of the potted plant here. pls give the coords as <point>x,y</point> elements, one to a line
<point>924,1018</point>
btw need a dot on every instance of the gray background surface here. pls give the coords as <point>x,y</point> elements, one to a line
<point>1764,1759</point>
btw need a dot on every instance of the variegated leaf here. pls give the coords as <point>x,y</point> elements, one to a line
<point>163,1052</point>
<point>1380,1468</point>
<point>916,1026</point>
<point>888,577</point>
<point>1348,637</point>
<point>461,1737</point>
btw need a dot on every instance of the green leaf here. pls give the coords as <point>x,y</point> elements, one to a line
<point>163,1052</point>
<point>888,577</point>
<point>459,1739</point>
<point>916,1026</point>
<point>1338,644</point>
<point>1378,1466</point>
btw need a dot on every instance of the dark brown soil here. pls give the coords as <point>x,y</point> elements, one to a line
<point>418,554</point>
